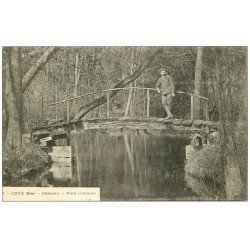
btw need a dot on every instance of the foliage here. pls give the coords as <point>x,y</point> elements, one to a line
<point>241,132</point>
<point>204,173</point>
<point>102,68</point>
<point>22,163</point>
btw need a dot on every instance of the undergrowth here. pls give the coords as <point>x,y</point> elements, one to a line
<point>23,163</point>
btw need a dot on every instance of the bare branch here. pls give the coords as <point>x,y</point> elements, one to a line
<point>28,77</point>
<point>99,101</point>
<point>36,52</point>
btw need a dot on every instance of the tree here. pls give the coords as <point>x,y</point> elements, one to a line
<point>13,97</point>
<point>131,84</point>
<point>229,156</point>
<point>15,86</point>
<point>197,82</point>
<point>103,99</point>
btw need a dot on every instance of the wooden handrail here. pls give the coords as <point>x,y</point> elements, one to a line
<point>115,89</point>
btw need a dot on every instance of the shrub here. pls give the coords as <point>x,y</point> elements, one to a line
<point>204,173</point>
<point>22,163</point>
<point>242,152</point>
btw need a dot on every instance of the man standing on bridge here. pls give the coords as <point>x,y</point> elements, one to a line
<point>167,88</point>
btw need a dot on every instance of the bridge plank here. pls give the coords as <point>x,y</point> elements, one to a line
<point>187,122</point>
<point>177,122</point>
<point>160,120</point>
<point>197,123</point>
<point>210,123</point>
<point>174,126</point>
<point>40,132</point>
<point>168,121</point>
<point>59,134</point>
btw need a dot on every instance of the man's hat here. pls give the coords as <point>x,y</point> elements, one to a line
<point>162,70</point>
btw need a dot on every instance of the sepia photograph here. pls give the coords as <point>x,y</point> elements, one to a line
<point>136,123</point>
<point>124,125</point>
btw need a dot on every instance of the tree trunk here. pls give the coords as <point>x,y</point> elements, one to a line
<point>129,105</point>
<point>233,180</point>
<point>197,83</point>
<point>28,77</point>
<point>4,111</point>
<point>101,100</point>
<point>14,97</point>
<point>76,74</point>
<point>15,87</point>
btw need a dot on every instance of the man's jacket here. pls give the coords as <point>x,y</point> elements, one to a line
<point>166,85</point>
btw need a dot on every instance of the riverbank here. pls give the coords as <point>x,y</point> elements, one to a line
<point>205,174</point>
<point>24,166</point>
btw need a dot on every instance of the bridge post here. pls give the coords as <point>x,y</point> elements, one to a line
<point>192,108</point>
<point>207,119</point>
<point>67,111</point>
<point>56,112</point>
<point>148,102</point>
<point>128,102</point>
<point>107,103</point>
<point>206,111</point>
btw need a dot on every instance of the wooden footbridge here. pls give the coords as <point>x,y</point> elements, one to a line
<point>143,124</point>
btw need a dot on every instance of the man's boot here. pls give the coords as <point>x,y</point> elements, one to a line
<point>169,115</point>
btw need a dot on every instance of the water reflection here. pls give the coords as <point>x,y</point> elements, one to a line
<point>130,165</point>
<point>60,174</point>
<point>126,166</point>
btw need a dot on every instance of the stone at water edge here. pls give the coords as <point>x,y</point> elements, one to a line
<point>61,152</point>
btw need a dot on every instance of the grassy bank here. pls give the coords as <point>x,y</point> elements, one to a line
<point>24,165</point>
<point>205,174</point>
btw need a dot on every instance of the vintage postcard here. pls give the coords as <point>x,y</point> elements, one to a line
<point>124,123</point>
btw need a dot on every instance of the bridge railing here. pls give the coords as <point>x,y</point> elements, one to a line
<point>148,99</point>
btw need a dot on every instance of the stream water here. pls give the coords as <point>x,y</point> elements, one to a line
<point>126,166</point>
